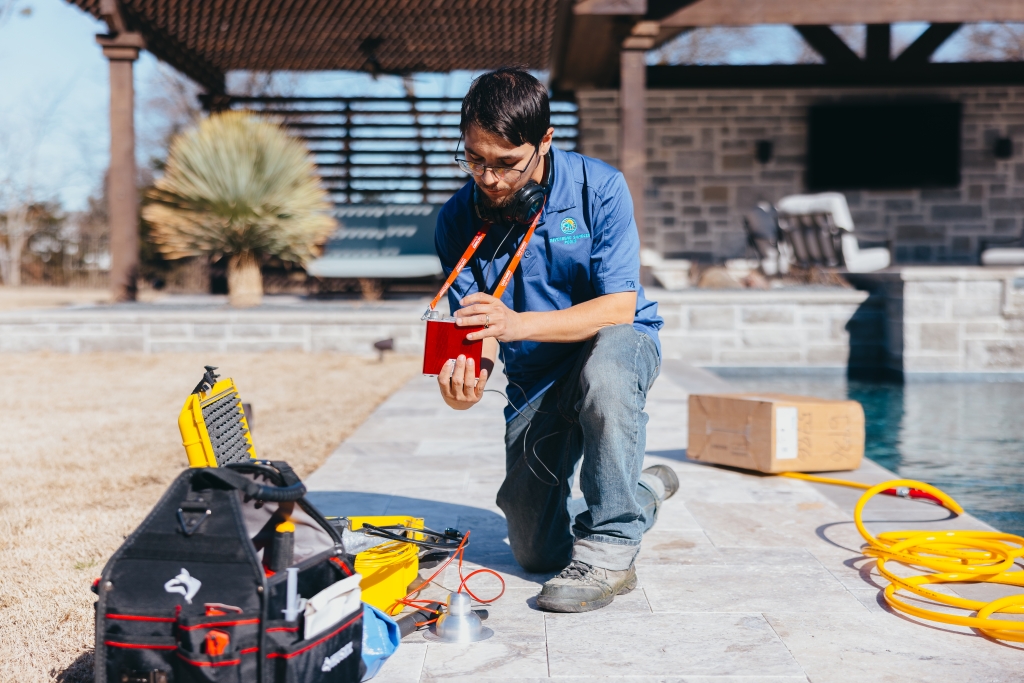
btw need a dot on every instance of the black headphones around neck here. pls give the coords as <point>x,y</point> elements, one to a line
<point>527,202</point>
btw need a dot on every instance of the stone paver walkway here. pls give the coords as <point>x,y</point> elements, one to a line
<point>744,577</point>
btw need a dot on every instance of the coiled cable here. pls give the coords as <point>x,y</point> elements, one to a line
<point>951,557</point>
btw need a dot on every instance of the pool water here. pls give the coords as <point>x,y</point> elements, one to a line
<point>967,438</point>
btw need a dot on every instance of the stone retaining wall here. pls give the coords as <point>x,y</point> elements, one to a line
<point>151,330</point>
<point>800,327</point>
<point>918,321</point>
<point>951,320</point>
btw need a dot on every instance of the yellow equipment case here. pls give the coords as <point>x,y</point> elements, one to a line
<point>213,427</point>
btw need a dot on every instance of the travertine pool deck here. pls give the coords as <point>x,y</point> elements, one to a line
<point>743,578</point>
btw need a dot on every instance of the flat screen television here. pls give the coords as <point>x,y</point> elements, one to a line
<point>883,146</point>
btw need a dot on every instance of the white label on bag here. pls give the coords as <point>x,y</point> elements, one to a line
<point>337,658</point>
<point>785,433</point>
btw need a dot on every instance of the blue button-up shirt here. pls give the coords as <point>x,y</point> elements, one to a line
<point>585,246</point>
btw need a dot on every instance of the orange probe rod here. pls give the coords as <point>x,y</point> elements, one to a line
<point>470,250</point>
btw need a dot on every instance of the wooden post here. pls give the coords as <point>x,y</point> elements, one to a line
<point>632,119</point>
<point>123,202</point>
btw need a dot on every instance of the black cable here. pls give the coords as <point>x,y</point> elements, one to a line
<point>526,434</point>
<point>529,422</point>
<point>448,541</point>
<point>494,255</point>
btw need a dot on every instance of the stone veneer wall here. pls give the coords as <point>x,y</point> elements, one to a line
<point>202,331</point>
<point>702,174</point>
<point>918,320</point>
<point>796,327</point>
<point>951,320</point>
<point>801,327</point>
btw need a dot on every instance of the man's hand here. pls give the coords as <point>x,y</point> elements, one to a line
<point>459,388</point>
<point>500,321</point>
<point>573,324</point>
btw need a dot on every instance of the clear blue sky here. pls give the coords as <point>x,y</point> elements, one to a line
<point>53,101</point>
<point>54,94</point>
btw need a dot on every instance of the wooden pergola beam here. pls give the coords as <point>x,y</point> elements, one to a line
<point>827,75</point>
<point>206,38</point>
<point>195,67</point>
<point>826,43</point>
<point>921,50</point>
<point>878,45</point>
<point>827,12</point>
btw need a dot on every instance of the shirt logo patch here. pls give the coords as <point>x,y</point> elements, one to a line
<point>568,226</point>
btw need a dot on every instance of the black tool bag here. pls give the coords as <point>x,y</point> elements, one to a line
<point>187,597</point>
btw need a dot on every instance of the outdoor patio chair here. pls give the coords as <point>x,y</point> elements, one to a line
<point>995,251</point>
<point>818,228</point>
<point>762,226</point>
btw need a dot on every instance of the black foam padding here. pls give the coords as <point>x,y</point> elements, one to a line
<point>223,418</point>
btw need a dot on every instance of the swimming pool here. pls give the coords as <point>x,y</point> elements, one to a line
<point>967,438</point>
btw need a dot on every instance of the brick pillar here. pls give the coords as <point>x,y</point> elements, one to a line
<point>633,142</point>
<point>123,209</point>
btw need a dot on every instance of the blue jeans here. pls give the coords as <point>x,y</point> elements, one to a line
<point>596,412</point>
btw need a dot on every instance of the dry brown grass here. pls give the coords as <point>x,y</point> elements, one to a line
<point>89,443</point>
<point>14,298</point>
<point>31,297</point>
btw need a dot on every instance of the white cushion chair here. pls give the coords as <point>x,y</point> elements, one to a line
<point>1006,256</point>
<point>1002,251</point>
<point>833,206</point>
<point>859,260</point>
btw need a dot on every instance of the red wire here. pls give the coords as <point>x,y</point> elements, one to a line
<point>410,601</point>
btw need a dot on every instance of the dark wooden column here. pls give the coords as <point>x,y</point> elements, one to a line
<point>122,194</point>
<point>632,124</point>
<point>879,44</point>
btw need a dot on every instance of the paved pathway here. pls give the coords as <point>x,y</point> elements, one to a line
<point>744,577</point>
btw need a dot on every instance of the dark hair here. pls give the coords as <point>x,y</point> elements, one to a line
<point>509,103</point>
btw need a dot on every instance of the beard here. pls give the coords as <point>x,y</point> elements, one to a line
<point>496,202</point>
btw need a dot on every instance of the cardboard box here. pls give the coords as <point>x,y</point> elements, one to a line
<point>776,432</point>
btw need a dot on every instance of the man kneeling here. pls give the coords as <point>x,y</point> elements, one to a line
<point>578,340</point>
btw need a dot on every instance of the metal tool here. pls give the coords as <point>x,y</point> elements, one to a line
<point>459,623</point>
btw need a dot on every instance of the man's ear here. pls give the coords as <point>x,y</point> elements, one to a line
<point>545,142</point>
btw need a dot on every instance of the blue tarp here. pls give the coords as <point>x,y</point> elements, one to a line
<point>380,639</point>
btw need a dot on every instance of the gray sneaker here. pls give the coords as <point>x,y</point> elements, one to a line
<point>668,478</point>
<point>582,587</point>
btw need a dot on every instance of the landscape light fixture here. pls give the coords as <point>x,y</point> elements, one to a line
<point>763,150</point>
<point>1003,148</point>
<point>382,346</point>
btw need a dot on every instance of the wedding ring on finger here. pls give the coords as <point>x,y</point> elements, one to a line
<point>487,321</point>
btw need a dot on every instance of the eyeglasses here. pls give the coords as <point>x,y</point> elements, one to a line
<point>511,175</point>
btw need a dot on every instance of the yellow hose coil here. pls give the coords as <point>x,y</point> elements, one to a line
<point>952,556</point>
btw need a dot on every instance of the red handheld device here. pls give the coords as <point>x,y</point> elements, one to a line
<point>445,341</point>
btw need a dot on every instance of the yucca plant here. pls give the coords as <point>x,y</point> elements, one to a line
<point>239,186</point>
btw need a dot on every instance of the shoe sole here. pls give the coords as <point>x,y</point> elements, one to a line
<point>562,605</point>
<point>670,479</point>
